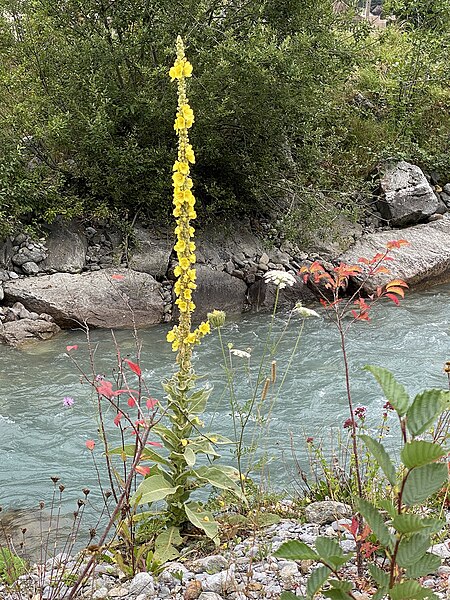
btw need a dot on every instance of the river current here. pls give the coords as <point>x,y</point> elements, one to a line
<point>41,437</point>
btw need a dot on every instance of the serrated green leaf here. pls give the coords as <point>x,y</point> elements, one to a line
<point>189,456</point>
<point>296,550</point>
<point>202,519</point>
<point>220,478</point>
<point>424,481</point>
<point>408,523</point>
<point>316,580</point>
<point>380,577</point>
<point>340,584</point>
<point>420,452</point>
<point>387,505</point>
<point>375,521</point>
<point>291,596</point>
<point>433,525</point>
<point>153,488</point>
<point>380,594</point>
<point>408,590</point>
<point>335,594</point>
<point>411,549</point>
<point>426,407</point>
<point>426,565</point>
<point>381,456</point>
<point>265,519</point>
<point>331,552</point>
<point>393,390</point>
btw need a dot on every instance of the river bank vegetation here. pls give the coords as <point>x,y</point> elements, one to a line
<point>296,105</point>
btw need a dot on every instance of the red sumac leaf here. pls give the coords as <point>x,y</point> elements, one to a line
<point>134,367</point>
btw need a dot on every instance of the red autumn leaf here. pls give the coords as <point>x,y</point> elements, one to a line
<point>361,316</point>
<point>376,258</point>
<point>394,298</point>
<point>134,367</point>
<point>105,389</point>
<point>131,402</point>
<point>90,444</point>
<point>140,423</point>
<point>353,528</point>
<point>118,277</point>
<point>156,444</point>
<point>117,418</point>
<point>69,348</point>
<point>363,260</point>
<point>142,470</point>
<point>151,403</point>
<point>396,244</point>
<point>127,391</point>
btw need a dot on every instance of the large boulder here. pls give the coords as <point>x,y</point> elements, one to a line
<point>152,252</point>
<point>66,247</point>
<point>115,298</point>
<point>425,261</point>
<point>19,333</point>
<point>216,246</point>
<point>406,196</point>
<point>217,290</point>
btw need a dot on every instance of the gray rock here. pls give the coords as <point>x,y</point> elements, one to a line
<point>4,276</point>
<point>152,252</point>
<point>18,333</point>
<point>327,511</point>
<point>20,239</point>
<point>142,583</point>
<point>209,596</point>
<point>289,574</point>
<point>67,246</point>
<point>107,299</point>
<point>25,255</point>
<point>426,260</point>
<point>30,268</point>
<point>406,196</point>
<point>100,594</point>
<point>442,550</point>
<point>446,188</point>
<point>223,582</point>
<point>217,289</point>
<point>211,564</point>
<point>264,260</point>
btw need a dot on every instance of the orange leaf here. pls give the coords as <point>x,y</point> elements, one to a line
<point>397,290</point>
<point>397,282</point>
<point>381,270</point>
<point>142,470</point>
<point>396,244</point>
<point>90,444</point>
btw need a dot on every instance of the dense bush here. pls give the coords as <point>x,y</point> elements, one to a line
<point>281,128</point>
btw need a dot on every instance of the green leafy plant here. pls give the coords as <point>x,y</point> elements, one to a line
<point>11,566</point>
<point>403,534</point>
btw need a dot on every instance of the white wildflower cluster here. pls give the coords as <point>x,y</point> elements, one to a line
<point>240,353</point>
<point>304,312</point>
<point>279,278</point>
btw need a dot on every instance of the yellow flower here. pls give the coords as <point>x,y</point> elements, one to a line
<point>182,305</point>
<point>176,71</point>
<point>191,246</point>
<point>204,328</point>
<point>190,339</point>
<point>187,70</point>
<point>192,258</point>
<point>177,271</point>
<point>178,178</point>
<point>188,122</point>
<point>191,306</point>
<point>206,519</point>
<point>175,345</point>
<point>192,275</point>
<point>176,212</point>
<point>180,246</point>
<point>179,196</point>
<point>183,168</point>
<point>187,294</point>
<point>188,183</point>
<point>184,442</point>
<point>187,111</point>
<point>184,263</point>
<point>171,335</point>
<point>180,123</point>
<point>190,156</point>
<point>192,286</point>
<point>192,214</point>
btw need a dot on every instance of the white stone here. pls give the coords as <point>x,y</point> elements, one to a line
<point>142,583</point>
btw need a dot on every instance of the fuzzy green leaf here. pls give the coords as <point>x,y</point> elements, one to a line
<point>393,390</point>
<point>382,457</point>
<point>409,590</point>
<point>202,519</point>
<point>375,521</point>
<point>316,580</point>
<point>336,594</point>
<point>165,543</point>
<point>153,488</point>
<point>340,584</point>
<point>189,456</point>
<point>426,407</point>
<point>420,452</point>
<point>424,481</point>
<point>433,525</point>
<point>380,594</point>
<point>295,550</point>
<point>221,479</point>
<point>411,549</point>
<point>387,505</point>
<point>196,402</point>
<point>427,565</point>
<point>291,596</point>
<point>380,577</point>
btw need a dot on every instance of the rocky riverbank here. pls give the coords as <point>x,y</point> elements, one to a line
<point>97,277</point>
<point>243,569</point>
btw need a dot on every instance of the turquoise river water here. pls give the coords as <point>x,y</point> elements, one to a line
<point>40,437</point>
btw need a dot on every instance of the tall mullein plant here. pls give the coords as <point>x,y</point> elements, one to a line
<point>174,478</point>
